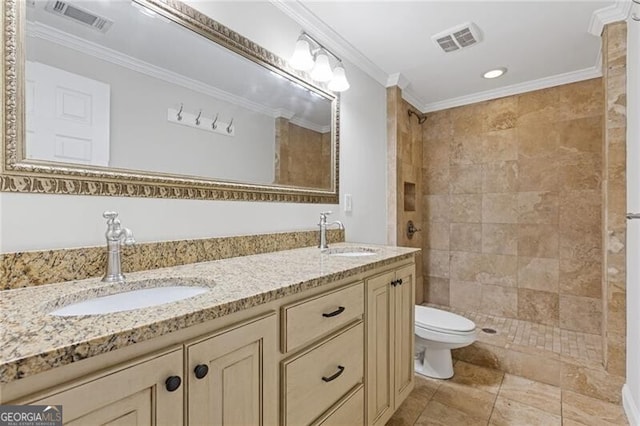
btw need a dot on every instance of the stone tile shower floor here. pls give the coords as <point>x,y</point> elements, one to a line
<point>483,396</point>
<point>534,336</point>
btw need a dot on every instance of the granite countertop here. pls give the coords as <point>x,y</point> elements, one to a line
<point>31,341</point>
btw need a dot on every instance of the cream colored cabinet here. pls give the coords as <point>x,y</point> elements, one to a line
<point>312,318</point>
<point>334,357</point>
<point>228,377</point>
<point>319,377</point>
<point>404,336</point>
<point>148,392</point>
<point>231,378</point>
<point>320,381</point>
<point>390,342</point>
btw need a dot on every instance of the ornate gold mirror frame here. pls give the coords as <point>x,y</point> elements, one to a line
<point>19,175</point>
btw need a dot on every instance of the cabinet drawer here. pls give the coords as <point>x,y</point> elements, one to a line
<point>348,412</point>
<point>318,378</point>
<point>311,318</point>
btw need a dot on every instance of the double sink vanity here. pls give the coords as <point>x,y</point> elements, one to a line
<point>293,337</point>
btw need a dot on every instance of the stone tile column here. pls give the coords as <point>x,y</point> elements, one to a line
<point>614,197</point>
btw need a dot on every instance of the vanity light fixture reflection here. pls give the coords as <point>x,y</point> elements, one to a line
<point>309,55</point>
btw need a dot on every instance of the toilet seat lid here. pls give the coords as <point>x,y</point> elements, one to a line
<point>439,320</point>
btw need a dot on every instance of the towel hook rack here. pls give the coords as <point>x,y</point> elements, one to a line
<point>200,120</point>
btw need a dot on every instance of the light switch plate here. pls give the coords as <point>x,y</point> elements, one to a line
<point>348,203</point>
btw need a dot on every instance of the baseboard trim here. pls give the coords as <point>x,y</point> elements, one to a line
<point>630,408</point>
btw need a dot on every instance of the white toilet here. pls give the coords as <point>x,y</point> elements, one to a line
<point>437,332</point>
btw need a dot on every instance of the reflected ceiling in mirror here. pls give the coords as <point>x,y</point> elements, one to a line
<point>139,92</point>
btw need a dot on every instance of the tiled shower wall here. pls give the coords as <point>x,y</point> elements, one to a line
<point>404,139</point>
<point>512,206</point>
<point>303,156</point>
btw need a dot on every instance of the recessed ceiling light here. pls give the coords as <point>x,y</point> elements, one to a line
<point>494,73</point>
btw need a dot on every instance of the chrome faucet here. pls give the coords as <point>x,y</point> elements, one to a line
<point>117,235</point>
<point>323,229</point>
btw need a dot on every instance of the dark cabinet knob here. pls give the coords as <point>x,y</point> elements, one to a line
<point>173,383</point>
<point>400,281</point>
<point>201,371</point>
<point>394,283</point>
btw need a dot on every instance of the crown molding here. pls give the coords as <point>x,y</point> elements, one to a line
<point>404,84</point>
<point>299,121</point>
<point>397,79</point>
<point>601,17</point>
<point>410,96</point>
<point>309,125</point>
<point>514,89</point>
<point>333,40</point>
<point>81,45</point>
<point>330,38</point>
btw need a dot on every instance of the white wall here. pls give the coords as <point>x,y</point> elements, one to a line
<point>632,390</point>
<point>37,221</point>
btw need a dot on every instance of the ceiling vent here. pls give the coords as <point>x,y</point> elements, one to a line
<point>79,15</point>
<point>458,37</point>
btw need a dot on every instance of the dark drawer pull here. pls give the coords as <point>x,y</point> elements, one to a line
<point>335,376</point>
<point>400,281</point>
<point>334,313</point>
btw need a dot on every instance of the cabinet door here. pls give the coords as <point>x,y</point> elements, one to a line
<point>404,295</point>
<point>135,395</point>
<point>240,387</point>
<point>380,352</point>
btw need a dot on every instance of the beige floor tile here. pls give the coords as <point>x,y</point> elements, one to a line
<point>440,414</point>
<point>410,410</point>
<point>534,394</point>
<point>424,384</point>
<point>511,413</point>
<point>474,402</point>
<point>591,411</point>
<point>482,378</point>
<point>595,382</point>
<point>543,368</point>
<point>569,422</point>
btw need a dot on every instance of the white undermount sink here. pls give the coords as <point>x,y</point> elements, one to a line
<point>350,251</point>
<point>130,300</point>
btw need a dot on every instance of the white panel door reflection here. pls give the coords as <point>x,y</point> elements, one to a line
<point>67,116</point>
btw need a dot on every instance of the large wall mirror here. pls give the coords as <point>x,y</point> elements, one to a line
<point>151,98</point>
